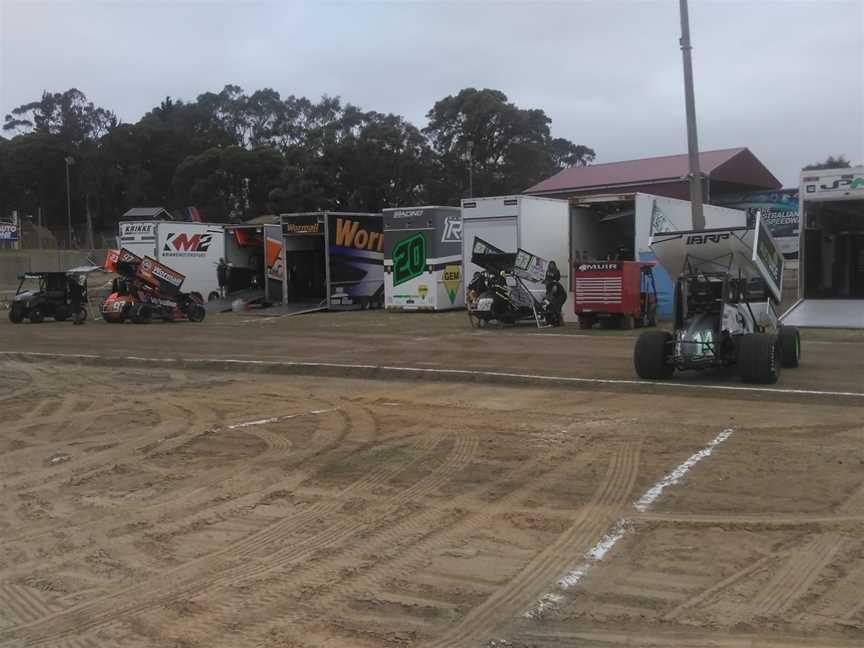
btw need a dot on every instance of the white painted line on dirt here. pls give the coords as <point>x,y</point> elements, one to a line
<point>598,552</point>
<point>237,426</point>
<point>677,475</point>
<point>452,372</point>
<point>276,419</point>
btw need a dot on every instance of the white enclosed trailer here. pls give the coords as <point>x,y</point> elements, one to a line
<point>611,227</point>
<point>831,250</point>
<point>192,249</point>
<point>539,225</point>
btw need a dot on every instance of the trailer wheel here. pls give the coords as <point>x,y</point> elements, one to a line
<point>651,355</point>
<point>626,322</point>
<point>586,322</point>
<point>140,314</point>
<point>36,315</point>
<point>790,347</point>
<point>16,315</point>
<point>759,358</point>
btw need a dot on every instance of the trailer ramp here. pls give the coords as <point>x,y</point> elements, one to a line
<point>826,313</point>
<point>223,304</point>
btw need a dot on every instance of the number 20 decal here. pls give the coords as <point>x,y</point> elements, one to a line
<point>409,259</point>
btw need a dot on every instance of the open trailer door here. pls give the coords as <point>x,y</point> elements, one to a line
<point>273,264</point>
<point>305,272</point>
<point>831,250</point>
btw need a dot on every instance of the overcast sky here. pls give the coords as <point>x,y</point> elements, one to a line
<point>785,78</point>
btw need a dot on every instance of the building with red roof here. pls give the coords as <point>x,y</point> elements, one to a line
<point>725,171</point>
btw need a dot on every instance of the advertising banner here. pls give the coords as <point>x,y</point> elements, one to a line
<point>779,212</point>
<point>137,232</point>
<point>356,257</point>
<point>303,225</point>
<point>423,258</point>
<point>768,259</point>
<point>159,275</point>
<point>8,232</point>
<point>833,184</point>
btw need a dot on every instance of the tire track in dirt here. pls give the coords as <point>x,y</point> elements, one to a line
<point>527,586</point>
<point>747,521</point>
<point>843,601</point>
<point>710,594</point>
<point>329,593</point>
<point>149,512</point>
<point>20,604</point>
<point>325,438</point>
<point>795,577</point>
<point>237,561</point>
<point>167,587</point>
<point>173,427</point>
<point>650,638</point>
<point>343,547</point>
<point>855,502</point>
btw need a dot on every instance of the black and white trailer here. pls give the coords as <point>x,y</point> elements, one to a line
<point>333,260</point>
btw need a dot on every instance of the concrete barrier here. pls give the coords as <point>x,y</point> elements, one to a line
<point>15,262</point>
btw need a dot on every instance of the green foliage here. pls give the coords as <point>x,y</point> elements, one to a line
<point>236,155</point>
<point>840,162</point>
<point>510,148</point>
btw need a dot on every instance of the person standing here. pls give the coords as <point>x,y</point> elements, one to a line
<point>75,290</point>
<point>222,277</point>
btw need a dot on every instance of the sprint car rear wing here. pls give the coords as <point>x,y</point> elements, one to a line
<point>748,252</point>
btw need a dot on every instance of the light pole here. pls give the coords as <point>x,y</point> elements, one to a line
<point>470,146</point>
<point>690,103</point>
<point>69,162</point>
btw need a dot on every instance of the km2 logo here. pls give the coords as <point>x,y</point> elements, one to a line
<point>180,243</point>
<point>452,230</point>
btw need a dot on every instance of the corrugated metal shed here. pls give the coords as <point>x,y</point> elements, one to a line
<point>735,166</point>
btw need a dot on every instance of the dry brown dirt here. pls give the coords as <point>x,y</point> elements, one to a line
<point>174,508</point>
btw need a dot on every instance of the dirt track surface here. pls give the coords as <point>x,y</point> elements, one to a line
<point>832,361</point>
<point>156,507</point>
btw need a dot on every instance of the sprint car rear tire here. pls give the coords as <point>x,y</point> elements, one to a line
<point>759,358</point>
<point>790,347</point>
<point>61,314</point>
<point>140,314</point>
<point>651,355</point>
<point>196,313</point>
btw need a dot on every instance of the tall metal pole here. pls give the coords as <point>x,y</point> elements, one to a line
<point>695,175</point>
<point>69,161</point>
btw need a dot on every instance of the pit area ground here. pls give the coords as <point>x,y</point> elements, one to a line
<point>151,504</point>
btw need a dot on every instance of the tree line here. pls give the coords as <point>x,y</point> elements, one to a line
<point>236,155</point>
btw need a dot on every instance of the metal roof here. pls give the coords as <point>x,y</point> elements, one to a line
<point>734,165</point>
<point>147,213</point>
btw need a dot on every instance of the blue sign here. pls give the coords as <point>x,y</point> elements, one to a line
<point>779,212</point>
<point>8,232</point>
